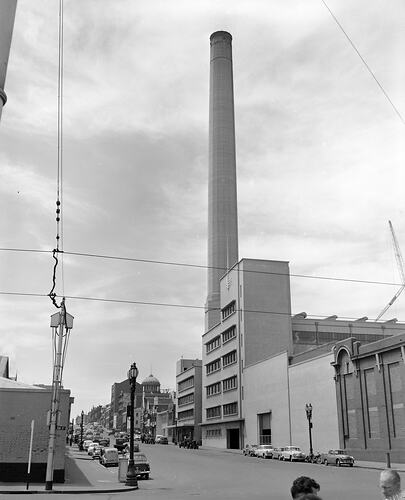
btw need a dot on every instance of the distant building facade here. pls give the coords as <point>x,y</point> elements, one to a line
<point>189,399</point>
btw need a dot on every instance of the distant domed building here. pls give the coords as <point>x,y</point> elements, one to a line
<point>151,384</point>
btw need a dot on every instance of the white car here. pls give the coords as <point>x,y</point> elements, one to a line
<point>91,448</point>
<point>264,451</point>
<point>292,453</point>
<point>87,443</point>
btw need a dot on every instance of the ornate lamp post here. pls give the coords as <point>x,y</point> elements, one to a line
<point>308,410</point>
<point>131,474</point>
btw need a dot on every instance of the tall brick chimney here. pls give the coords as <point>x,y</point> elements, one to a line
<point>222,199</point>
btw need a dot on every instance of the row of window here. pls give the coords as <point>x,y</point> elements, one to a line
<point>227,335</point>
<point>228,310</point>
<point>226,385</point>
<point>185,384</point>
<point>227,359</point>
<point>213,433</point>
<point>186,414</point>
<point>185,400</point>
<point>227,410</point>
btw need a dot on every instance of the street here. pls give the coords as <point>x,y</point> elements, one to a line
<point>178,474</point>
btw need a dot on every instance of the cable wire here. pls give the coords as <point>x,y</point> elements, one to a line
<point>365,63</point>
<point>190,306</point>
<point>200,266</point>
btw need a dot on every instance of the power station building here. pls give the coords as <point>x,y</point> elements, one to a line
<point>261,365</point>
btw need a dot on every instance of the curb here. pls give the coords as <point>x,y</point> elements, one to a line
<point>67,491</point>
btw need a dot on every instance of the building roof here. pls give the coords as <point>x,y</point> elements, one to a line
<point>151,380</point>
<point>6,383</point>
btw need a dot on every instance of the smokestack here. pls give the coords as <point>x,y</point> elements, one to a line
<point>222,201</point>
<point>7,15</point>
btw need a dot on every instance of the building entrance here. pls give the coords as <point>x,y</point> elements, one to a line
<point>232,439</point>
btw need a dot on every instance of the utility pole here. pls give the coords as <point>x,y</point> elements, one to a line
<point>64,321</point>
<point>7,16</point>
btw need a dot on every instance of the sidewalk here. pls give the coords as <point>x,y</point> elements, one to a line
<point>82,475</point>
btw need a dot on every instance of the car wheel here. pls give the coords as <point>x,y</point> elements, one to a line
<point>325,462</point>
<point>351,465</point>
<point>338,463</point>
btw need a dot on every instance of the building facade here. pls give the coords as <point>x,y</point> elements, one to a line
<point>188,400</point>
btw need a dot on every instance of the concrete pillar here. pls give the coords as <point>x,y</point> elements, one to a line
<point>222,200</point>
<point>7,15</point>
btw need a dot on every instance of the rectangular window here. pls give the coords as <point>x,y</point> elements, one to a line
<point>230,383</point>
<point>229,359</point>
<point>186,400</point>
<point>213,344</point>
<point>187,414</point>
<point>213,389</point>
<point>213,433</point>
<point>213,412</point>
<point>228,310</point>
<point>230,409</point>
<point>185,384</point>
<point>214,366</point>
<point>229,334</point>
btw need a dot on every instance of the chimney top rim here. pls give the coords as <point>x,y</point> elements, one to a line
<point>220,32</point>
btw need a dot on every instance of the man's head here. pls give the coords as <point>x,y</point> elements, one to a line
<point>390,483</point>
<point>303,485</point>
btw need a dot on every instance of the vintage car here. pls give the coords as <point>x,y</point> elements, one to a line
<point>264,451</point>
<point>293,453</point>
<point>142,467</point>
<point>109,456</point>
<point>277,453</point>
<point>249,450</point>
<point>337,457</point>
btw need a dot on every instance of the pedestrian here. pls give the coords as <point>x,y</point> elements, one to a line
<point>390,485</point>
<point>304,485</point>
<point>310,496</point>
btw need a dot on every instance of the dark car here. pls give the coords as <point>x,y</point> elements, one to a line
<point>163,440</point>
<point>142,467</point>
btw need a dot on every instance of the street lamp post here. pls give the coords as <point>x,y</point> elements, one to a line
<point>81,432</point>
<point>308,410</point>
<point>131,474</point>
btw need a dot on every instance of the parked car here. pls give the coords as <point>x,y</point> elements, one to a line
<point>105,442</point>
<point>142,466</point>
<point>91,447</point>
<point>292,453</point>
<point>96,452</point>
<point>264,451</point>
<point>277,452</point>
<point>163,440</point>
<point>337,457</point>
<point>249,450</point>
<point>109,456</point>
<point>87,443</point>
<point>157,438</point>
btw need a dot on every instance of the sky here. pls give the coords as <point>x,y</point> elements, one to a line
<point>320,155</point>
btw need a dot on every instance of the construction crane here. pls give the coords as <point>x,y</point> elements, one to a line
<point>400,264</point>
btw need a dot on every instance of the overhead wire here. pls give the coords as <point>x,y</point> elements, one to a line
<point>59,183</point>
<point>364,62</point>
<point>201,266</point>
<point>191,306</point>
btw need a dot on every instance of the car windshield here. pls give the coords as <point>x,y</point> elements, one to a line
<point>140,457</point>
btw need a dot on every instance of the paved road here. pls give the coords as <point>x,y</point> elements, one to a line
<point>179,474</point>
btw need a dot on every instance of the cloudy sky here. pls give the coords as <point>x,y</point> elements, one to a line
<point>320,164</point>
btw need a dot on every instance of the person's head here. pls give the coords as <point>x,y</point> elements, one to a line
<point>303,485</point>
<point>390,483</point>
<point>309,496</point>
